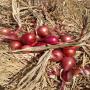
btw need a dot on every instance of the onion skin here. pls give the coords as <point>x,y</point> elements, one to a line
<point>62,87</point>
<point>80,70</point>
<point>77,71</point>
<point>29,38</point>
<point>57,55</point>
<point>86,70</point>
<point>56,71</point>
<point>69,51</point>
<point>43,31</point>
<point>66,76</point>
<point>50,74</point>
<point>15,45</point>
<point>51,40</point>
<point>68,63</point>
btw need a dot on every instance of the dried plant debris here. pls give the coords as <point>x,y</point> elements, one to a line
<point>29,71</point>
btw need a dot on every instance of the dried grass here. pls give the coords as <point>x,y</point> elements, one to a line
<point>16,73</point>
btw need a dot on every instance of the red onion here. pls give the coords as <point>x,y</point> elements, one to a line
<point>11,37</point>
<point>69,51</point>
<point>15,45</point>
<point>5,31</point>
<point>43,31</point>
<point>9,34</point>
<point>66,38</point>
<point>68,63</point>
<point>28,38</point>
<point>57,55</point>
<point>51,40</point>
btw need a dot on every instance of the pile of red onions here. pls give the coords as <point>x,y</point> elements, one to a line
<point>43,37</point>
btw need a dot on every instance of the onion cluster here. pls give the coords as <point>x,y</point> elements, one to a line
<point>29,39</point>
<point>43,37</point>
<point>65,56</point>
